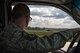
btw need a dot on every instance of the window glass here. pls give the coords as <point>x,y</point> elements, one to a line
<point>47,20</point>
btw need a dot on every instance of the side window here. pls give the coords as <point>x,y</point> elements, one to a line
<point>47,20</point>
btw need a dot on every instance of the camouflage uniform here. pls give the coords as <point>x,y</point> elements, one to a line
<point>17,40</point>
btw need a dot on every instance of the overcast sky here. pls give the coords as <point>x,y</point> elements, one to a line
<point>50,17</point>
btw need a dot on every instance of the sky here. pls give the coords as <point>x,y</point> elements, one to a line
<point>50,17</point>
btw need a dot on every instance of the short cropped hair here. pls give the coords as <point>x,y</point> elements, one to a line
<point>20,10</point>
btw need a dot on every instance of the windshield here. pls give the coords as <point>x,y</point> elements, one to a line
<point>48,19</point>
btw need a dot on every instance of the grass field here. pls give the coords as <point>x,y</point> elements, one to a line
<point>42,33</point>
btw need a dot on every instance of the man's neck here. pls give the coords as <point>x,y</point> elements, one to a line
<point>19,24</point>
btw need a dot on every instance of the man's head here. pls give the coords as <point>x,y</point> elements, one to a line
<point>21,15</point>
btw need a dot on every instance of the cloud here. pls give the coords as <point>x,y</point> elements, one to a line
<point>51,17</point>
<point>47,11</point>
<point>53,23</point>
<point>40,11</point>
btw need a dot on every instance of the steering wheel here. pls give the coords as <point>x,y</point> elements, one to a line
<point>73,41</point>
<point>71,45</point>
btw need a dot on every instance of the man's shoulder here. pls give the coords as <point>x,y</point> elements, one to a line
<point>12,26</point>
<point>11,29</point>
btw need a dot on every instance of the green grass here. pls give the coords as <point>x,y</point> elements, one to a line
<point>42,33</point>
<point>72,39</point>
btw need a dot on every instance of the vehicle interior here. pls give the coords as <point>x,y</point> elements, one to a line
<point>71,7</point>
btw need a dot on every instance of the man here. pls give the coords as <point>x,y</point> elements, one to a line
<point>15,39</point>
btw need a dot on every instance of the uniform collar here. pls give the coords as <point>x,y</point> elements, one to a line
<point>16,25</point>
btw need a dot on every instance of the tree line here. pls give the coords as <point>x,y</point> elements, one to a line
<point>35,28</point>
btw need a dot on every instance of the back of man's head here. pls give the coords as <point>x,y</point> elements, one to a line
<point>20,10</point>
